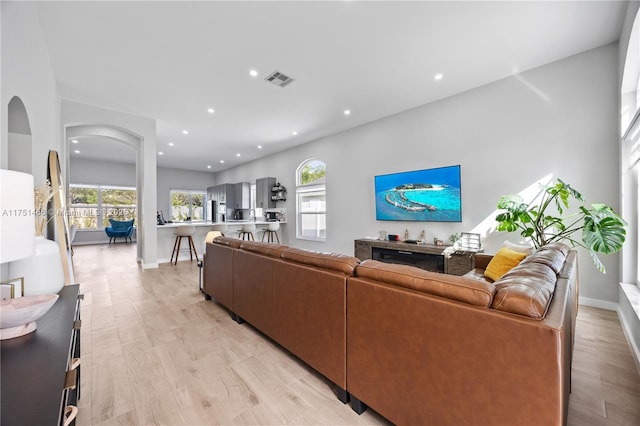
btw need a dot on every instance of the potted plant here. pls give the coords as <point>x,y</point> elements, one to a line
<point>603,231</point>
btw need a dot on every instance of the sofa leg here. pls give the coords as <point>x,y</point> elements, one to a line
<point>237,318</point>
<point>207,297</point>
<point>342,394</point>
<point>358,406</point>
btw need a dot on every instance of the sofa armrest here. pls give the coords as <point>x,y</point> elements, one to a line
<point>482,260</point>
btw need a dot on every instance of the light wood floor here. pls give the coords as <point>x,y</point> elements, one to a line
<point>155,352</point>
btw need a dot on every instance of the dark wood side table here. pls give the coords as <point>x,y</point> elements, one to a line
<point>38,378</point>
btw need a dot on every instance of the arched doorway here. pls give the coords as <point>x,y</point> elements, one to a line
<point>19,150</point>
<point>122,136</point>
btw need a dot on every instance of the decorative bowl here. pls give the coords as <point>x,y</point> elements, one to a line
<point>18,316</point>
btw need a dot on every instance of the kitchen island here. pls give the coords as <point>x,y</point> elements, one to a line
<point>167,237</point>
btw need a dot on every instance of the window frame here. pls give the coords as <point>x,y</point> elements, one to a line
<point>303,190</point>
<point>191,193</point>
<point>100,208</point>
<point>630,156</point>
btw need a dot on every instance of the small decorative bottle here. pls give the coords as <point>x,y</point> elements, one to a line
<point>406,235</point>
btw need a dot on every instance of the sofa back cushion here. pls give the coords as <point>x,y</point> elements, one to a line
<point>528,288</point>
<point>332,261</point>
<point>229,242</point>
<point>473,292</point>
<point>266,249</point>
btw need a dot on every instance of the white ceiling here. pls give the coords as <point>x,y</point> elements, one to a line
<point>172,60</point>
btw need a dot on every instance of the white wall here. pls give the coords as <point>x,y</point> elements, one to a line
<point>27,73</point>
<point>20,149</point>
<point>170,179</point>
<point>559,119</point>
<point>94,172</point>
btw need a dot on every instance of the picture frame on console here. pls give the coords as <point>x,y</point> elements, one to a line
<point>12,288</point>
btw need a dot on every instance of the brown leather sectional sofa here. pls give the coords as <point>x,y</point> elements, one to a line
<point>296,297</point>
<point>418,347</point>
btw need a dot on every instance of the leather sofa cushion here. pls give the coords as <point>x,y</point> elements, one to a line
<point>267,249</point>
<point>226,241</point>
<point>528,288</point>
<point>563,248</point>
<point>333,261</point>
<point>552,255</point>
<point>473,292</point>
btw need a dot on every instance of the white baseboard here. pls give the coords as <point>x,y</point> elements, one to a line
<point>153,265</point>
<point>597,303</point>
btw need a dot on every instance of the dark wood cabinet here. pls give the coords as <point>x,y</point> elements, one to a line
<point>41,370</point>
<point>426,256</point>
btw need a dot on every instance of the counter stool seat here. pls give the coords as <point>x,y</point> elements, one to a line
<point>270,231</point>
<point>246,232</point>
<point>221,227</point>
<point>184,231</point>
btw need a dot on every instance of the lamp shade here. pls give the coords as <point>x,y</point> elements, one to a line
<point>17,224</point>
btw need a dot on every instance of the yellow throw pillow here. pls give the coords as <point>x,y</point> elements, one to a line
<point>503,261</point>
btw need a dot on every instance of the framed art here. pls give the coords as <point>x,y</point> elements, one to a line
<point>12,288</point>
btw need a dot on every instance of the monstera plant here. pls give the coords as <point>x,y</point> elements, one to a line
<point>602,230</point>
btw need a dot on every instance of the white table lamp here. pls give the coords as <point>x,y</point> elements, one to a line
<point>17,224</point>
<point>17,241</point>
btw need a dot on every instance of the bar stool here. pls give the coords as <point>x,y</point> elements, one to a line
<point>221,227</point>
<point>184,231</point>
<point>246,232</point>
<point>271,230</point>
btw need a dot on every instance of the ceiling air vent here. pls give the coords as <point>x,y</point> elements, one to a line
<point>279,79</point>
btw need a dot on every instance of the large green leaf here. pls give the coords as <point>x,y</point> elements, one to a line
<point>604,231</point>
<point>512,203</point>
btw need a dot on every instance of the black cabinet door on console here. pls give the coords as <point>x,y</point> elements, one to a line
<point>34,366</point>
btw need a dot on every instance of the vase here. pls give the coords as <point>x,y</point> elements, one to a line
<point>42,271</point>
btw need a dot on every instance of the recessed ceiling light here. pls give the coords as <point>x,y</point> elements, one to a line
<point>211,111</point>
<point>171,144</point>
<point>208,166</point>
<point>160,153</point>
<point>253,73</point>
<point>77,151</point>
<point>294,133</point>
<point>221,161</point>
<point>238,155</point>
<point>347,112</point>
<point>259,146</point>
<point>74,140</point>
<point>438,77</point>
<point>185,132</point>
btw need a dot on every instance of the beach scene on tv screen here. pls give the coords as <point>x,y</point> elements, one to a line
<point>431,195</point>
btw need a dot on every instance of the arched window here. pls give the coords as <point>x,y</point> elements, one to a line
<point>311,205</point>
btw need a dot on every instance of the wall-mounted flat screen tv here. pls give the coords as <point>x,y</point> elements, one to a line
<point>430,195</point>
